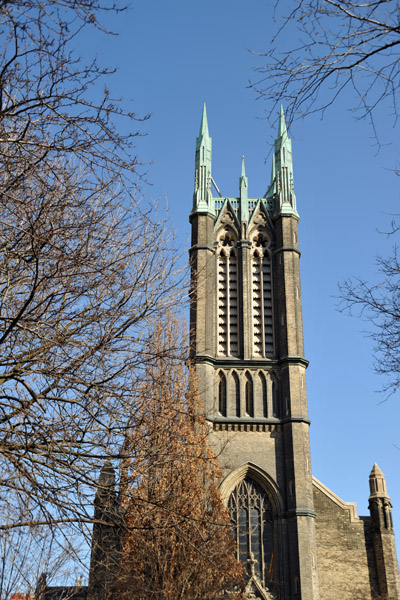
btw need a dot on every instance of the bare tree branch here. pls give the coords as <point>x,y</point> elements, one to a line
<point>86,267</point>
<point>379,306</point>
<point>330,46</point>
<point>177,541</point>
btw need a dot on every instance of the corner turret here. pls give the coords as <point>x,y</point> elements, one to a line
<point>379,500</point>
<point>383,536</point>
<point>377,484</point>
<point>202,198</point>
<point>106,539</point>
<point>281,187</point>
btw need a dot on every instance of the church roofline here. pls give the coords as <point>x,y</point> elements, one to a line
<point>350,507</point>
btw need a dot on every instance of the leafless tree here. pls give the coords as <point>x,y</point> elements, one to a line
<point>25,553</point>
<point>85,267</point>
<point>177,542</point>
<point>379,305</point>
<point>324,47</point>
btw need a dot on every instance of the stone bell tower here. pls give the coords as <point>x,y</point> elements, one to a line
<point>247,346</point>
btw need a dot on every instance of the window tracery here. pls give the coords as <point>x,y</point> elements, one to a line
<point>253,527</point>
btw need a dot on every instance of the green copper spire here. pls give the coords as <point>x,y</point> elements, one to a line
<point>282,130</point>
<point>202,198</point>
<point>282,172</point>
<point>243,187</point>
<point>204,123</point>
<point>243,168</point>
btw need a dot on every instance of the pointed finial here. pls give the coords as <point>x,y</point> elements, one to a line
<point>377,483</point>
<point>282,130</point>
<point>376,470</point>
<point>204,123</point>
<point>202,197</point>
<point>243,179</point>
<point>281,187</point>
<point>244,204</point>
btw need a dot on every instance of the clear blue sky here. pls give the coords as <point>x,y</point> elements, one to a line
<point>172,56</point>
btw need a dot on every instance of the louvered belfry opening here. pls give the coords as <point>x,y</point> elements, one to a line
<point>257,306</point>
<point>222,304</point>
<point>228,321</point>
<point>263,338</point>
<point>233,305</point>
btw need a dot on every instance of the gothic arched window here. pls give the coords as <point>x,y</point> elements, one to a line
<point>263,342</point>
<point>249,395</point>
<point>228,335</point>
<point>258,332</point>
<point>274,401</point>
<point>264,396</point>
<point>236,384</point>
<point>222,304</point>
<point>222,394</point>
<point>233,306</point>
<point>252,523</point>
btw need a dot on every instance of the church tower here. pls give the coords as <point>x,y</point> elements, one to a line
<point>247,347</point>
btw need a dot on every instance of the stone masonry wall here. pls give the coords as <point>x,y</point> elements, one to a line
<point>345,555</point>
